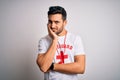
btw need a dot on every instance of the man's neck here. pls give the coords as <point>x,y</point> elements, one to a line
<point>63,33</point>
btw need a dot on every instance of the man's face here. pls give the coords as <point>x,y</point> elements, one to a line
<point>56,23</point>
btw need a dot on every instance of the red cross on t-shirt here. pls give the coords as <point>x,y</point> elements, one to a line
<point>61,57</point>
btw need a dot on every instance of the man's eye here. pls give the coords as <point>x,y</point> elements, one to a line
<point>57,22</point>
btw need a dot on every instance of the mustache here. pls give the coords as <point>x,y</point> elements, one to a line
<point>53,28</point>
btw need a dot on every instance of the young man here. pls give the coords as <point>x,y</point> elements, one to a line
<point>61,55</point>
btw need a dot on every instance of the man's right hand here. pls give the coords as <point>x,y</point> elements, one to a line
<point>52,34</point>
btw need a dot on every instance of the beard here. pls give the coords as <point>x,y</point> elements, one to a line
<point>59,31</point>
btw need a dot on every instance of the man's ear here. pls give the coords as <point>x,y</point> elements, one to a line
<point>65,22</point>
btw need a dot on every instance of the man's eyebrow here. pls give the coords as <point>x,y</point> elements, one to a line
<point>57,21</point>
<point>53,21</point>
<point>49,20</point>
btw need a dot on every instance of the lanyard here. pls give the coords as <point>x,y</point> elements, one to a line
<point>63,47</point>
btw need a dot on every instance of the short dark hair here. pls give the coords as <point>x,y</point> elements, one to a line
<point>57,10</point>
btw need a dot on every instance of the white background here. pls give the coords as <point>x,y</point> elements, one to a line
<point>23,23</point>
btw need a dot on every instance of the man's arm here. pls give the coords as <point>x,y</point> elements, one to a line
<point>77,67</point>
<point>44,60</point>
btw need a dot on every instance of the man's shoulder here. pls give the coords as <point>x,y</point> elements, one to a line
<point>73,36</point>
<point>45,38</point>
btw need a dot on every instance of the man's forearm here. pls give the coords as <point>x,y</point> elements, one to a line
<point>72,68</point>
<point>45,61</point>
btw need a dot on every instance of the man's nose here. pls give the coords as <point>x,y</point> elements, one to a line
<point>53,25</point>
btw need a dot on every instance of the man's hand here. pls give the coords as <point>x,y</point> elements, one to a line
<point>52,34</point>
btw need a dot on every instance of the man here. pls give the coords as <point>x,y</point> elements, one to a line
<point>61,55</point>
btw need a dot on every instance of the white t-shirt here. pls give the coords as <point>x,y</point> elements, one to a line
<point>73,46</point>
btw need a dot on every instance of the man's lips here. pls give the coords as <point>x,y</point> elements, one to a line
<point>53,30</point>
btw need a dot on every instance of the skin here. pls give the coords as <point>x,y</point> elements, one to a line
<point>56,27</point>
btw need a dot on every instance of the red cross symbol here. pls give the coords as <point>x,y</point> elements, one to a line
<point>61,57</point>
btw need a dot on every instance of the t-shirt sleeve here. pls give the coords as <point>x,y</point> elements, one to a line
<point>79,50</point>
<point>41,46</point>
